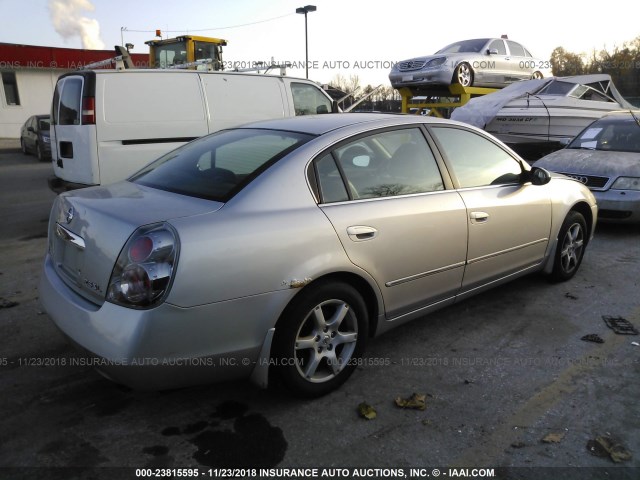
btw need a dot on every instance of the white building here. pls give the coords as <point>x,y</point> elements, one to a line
<point>29,74</point>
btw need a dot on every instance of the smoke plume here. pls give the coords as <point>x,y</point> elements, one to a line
<point>69,21</point>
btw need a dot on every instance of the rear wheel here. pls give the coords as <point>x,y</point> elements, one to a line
<point>463,75</point>
<point>319,339</point>
<point>572,241</point>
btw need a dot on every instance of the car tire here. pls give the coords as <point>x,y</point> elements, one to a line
<point>536,76</point>
<point>23,147</point>
<point>572,241</point>
<point>320,338</point>
<point>463,75</point>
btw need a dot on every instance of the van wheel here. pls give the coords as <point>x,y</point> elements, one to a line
<point>319,339</point>
<point>572,241</point>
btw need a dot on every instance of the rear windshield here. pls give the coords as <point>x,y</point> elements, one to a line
<point>218,166</point>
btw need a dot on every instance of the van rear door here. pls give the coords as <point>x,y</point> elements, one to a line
<point>73,131</point>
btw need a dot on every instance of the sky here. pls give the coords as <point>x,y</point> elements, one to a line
<point>346,37</point>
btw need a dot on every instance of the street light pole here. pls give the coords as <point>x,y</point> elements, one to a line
<point>306,9</point>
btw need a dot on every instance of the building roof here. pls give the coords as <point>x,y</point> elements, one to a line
<point>15,56</point>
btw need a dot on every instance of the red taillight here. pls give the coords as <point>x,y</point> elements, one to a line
<point>89,110</point>
<point>140,249</point>
<point>145,267</point>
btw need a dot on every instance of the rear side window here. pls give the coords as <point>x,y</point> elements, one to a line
<point>309,100</point>
<point>217,166</point>
<point>70,101</point>
<point>384,164</point>
<point>499,46</point>
<point>516,49</point>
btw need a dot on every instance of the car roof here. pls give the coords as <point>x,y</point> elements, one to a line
<point>622,113</point>
<point>324,123</point>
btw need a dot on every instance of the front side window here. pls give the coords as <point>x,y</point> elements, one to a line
<point>385,164</point>
<point>475,160</point>
<point>309,100</point>
<point>10,85</point>
<point>219,165</point>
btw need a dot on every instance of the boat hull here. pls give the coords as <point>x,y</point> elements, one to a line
<point>539,120</point>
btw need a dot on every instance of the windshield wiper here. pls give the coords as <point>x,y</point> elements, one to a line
<point>583,148</point>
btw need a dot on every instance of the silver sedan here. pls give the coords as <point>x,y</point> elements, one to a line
<point>277,249</point>
<point>480,62</point>
<point>605,157</point>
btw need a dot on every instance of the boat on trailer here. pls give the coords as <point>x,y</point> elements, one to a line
<point>546,111</point>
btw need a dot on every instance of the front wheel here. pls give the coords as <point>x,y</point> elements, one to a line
<point>536,76</point>
<point>320,338</point>
<point>572,240</point>
<point>463,75</point>
<point>23,147</point>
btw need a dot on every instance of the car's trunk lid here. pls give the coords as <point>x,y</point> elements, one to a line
<point>89,227</point>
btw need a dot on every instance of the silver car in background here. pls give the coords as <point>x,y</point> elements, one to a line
<point>480,62</point>
<point>605,157</point>
<point>275,250</point>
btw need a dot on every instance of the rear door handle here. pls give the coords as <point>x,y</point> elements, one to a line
<point>360,233</point>
<point>479,217</point>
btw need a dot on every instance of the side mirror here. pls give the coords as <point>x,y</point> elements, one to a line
<point>539,176</point>
<point>492,51</point>
<point>30,129</point>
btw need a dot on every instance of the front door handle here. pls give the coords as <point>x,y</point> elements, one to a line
<point>479,217</point>
<point>360,233</point>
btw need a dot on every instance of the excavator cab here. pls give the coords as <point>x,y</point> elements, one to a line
<point>187,51</point>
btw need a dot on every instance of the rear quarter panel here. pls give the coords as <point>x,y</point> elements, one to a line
<point>270,237</point>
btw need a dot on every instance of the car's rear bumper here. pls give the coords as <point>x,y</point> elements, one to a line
<point>164,347</point>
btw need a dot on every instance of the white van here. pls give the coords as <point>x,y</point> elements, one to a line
<point>107,124</point>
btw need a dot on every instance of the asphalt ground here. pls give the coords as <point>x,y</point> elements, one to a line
<point>511,391</point>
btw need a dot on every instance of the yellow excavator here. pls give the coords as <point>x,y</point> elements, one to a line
<point>187,52</point>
